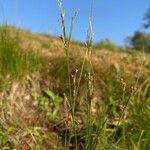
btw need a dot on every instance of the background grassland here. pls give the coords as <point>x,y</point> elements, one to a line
<point>34,108</point>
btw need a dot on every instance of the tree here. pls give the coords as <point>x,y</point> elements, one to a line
<point>147,19</point>
<point>140,40</point>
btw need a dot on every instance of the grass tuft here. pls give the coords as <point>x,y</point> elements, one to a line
<point>14,61</point>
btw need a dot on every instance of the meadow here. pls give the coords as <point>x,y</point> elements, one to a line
<point>56,93</point>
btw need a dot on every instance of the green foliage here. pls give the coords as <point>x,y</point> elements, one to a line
<point>139,117</point>
<point>36,136</point>
<point>13,60</point>
<point>147,19</point>
<point>49,103</point>
<point>56,101</point>
<point>106,44</point>
<point>3,138</point>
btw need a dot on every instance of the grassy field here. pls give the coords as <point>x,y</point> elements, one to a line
<point>94,101</point>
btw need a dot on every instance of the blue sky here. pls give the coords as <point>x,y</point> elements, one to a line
<point>113,19</point>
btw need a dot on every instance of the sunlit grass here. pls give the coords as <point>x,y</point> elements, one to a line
<point>14,61</point>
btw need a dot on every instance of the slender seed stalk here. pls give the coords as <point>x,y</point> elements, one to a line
<point>90,83</point>
<point>66,42</point>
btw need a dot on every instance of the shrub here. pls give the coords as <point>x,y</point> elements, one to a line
<point>107,45</point>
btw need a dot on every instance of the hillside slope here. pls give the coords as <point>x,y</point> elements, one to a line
<point>35,108</point>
